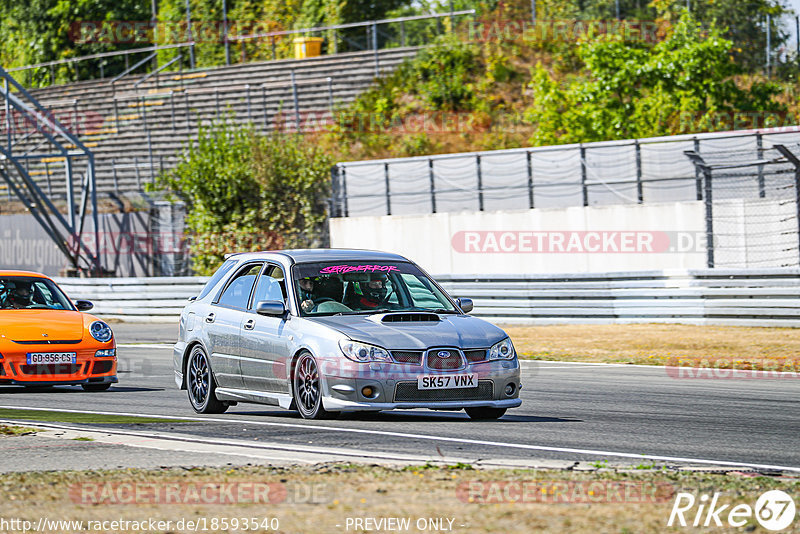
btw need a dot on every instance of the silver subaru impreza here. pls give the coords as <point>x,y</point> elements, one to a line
<point>327,331</point>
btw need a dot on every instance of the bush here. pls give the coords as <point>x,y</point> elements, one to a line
<point>249,192</point>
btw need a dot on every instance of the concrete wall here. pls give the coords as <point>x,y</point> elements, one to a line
<point>128,245</point>
<point>574,240</point>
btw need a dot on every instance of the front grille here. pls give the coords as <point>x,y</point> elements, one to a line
<point>51,369</point>
<point>2,370</point>
<point>408,392</point>
<point>473,356</point>
<point>102,367</point>
<point>45,341</point>
<point>444,363</point>
<point>413,358</point>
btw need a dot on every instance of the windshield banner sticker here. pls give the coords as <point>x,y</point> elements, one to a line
<point>340,269</point>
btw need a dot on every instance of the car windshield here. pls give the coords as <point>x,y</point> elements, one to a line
<point>31,293</point>
<point>357,287</point>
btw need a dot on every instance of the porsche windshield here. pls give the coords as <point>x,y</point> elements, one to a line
<point>353,287</point>
<point>31,293</point>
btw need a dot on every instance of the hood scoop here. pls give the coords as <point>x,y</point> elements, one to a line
<point>408,317</point>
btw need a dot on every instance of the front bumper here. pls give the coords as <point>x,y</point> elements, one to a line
<point>88,369</point>
<point>395,387</point>
<point>339,405</point>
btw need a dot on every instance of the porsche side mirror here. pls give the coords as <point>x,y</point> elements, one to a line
<point>83,305</point>
<point>271,308</point>
<point>465,304</point>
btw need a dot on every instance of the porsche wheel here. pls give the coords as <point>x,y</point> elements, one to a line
<point>485,413</point>
<point>307,388</point>
<point>201,385</point>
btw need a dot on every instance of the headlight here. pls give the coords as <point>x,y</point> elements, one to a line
<point>361,352</point>
<point>502,351</point>
<point>101,331</point>
<point>105,353</point>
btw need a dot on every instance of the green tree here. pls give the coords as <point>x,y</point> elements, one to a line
<point>679,85</point>
<point>248,192</point>
<point>37,31</point>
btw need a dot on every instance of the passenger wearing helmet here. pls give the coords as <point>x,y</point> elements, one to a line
<point>373,293</point>
<point>21,296</point>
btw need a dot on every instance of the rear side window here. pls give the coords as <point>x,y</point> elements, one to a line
<point>222,271</point>
<point>238,291</point>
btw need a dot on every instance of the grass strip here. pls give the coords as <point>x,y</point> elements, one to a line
<point>55,416</point>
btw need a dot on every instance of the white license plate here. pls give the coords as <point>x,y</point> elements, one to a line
<point>446,382</point>
<point>39,358</point>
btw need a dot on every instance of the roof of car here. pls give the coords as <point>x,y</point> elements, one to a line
<point>22,273</point>
<point>329,254</point>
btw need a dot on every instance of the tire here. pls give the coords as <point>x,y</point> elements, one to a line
<point>307,388</point>
<point>485,413</point>
<point>200,383</point>
<point>96,387</point>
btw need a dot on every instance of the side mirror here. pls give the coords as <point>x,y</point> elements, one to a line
<point>83,305</point>
<point>271,308</point>
<point>192,299</point>
<point>465,304</point>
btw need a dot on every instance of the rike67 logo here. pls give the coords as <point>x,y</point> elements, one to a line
<point>774,510</point>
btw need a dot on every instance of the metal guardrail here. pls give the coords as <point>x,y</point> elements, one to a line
<point>372,42</point>
<point>766,297</point>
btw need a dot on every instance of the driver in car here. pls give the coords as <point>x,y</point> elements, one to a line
<point>307,287</point>
<point>372,294</point>
<point>21,296</point>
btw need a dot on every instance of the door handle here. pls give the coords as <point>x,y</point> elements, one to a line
<point>249,325</point>
<point>210,317</point>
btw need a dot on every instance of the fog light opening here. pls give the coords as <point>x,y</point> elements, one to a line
<point>510,389</point>
<point>369,392</point>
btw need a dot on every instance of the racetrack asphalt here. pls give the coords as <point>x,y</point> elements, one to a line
<point>570,413</point>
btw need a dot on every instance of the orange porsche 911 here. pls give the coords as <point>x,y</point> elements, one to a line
<point>46,340</point>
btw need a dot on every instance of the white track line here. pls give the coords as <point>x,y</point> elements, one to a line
<point>428,438</point>
<point>144,345</point>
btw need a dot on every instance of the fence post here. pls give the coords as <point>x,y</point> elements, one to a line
<point>136,167</point>
<point>584,188</point>
<point>296,104</point>
<point>639,188</point>
<point>334,206</point>
<point>388,191</point>
<point>530,179</point>
<point>343,186</point>
<point>760,155</point>
<point>433,185</point>
<point>697,177</point>
<point>264,104</point>
<point>114,173</point>
<point>480,182</point>
<point>709,219</point>
<point>172,108</point>
<point>116,114</point>
<point>330,95</point>
<point>249,115</point>
<point>375,48</point>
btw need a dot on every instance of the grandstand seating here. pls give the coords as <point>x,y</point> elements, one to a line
<point>135,132</point>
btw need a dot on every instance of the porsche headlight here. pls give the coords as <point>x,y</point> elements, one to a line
<point>361,352</point>
<point>101,331</point>
<point>502,351</point>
